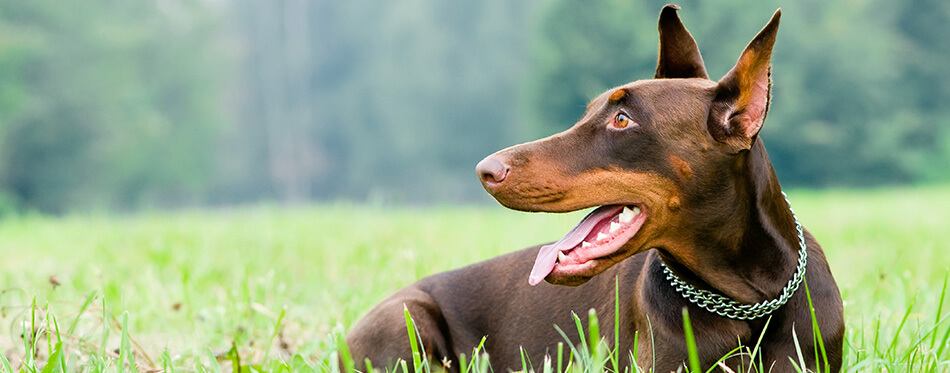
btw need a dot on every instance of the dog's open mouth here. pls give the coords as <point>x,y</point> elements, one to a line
<point>599,234</point>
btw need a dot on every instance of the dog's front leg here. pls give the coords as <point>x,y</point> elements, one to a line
<point>381,336</point>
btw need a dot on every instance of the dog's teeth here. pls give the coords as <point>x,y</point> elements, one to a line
<point>614,227</point>
<point>627,215</point>
<point>586,244</point>
<point>561,257</point>
<point>602,237</point>
<point>636,211</point>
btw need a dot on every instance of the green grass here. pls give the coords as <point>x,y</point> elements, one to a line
<point>272,288</point>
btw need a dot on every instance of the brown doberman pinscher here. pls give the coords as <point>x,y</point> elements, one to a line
<point>691,216</point>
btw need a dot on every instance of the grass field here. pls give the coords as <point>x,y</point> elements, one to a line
<point>273,285</point>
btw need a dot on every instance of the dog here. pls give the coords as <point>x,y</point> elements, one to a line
<point>689,216</point>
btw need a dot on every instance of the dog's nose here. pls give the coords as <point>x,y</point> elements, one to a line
<point>491,170</point>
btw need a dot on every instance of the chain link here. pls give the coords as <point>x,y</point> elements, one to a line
<point>724,306</point>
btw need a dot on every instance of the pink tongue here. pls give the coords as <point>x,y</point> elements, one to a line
<point>547,256</point>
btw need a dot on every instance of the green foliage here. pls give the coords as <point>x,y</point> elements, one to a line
<point>363,100</point>
<point>106,104</point>
<point>132,105</point>
<point>583,48</point>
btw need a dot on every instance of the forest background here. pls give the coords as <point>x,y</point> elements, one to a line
<point>131,105</point>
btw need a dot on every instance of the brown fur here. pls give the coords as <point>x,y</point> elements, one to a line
<point>692,159</point>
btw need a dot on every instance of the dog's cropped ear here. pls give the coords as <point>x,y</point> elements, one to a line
<point>742,96</point>
<point>679,55</point>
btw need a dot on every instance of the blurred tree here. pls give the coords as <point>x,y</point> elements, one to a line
<point>580,50</point>
<point>923,112</point>
<point>107,104</point>
<point>372,100</point>
<point>120,105</point>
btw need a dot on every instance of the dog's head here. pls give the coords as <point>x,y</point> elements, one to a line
<point>647,153</point>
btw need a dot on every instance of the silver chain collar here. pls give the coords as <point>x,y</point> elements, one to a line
<point>724,306</point>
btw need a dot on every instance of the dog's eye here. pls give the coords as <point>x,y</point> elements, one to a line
<point>621,120</point>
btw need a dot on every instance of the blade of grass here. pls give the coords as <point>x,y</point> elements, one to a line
<point>798,350</point>
<point>943,293</point>
<point>105,329</point>
<point>635,349</point>
<point>816,333</point>
<point>56,362</point>
<point>943,343</point>
<point>126,355</point>
<point>59,337</point>
<point>235,357</point>
<point>6,364</point>
<point>476,356</point>
<point>270,342</point>
<point>580,332</point>
<point>334,365</point>
<point>413,344</point>
<point>652,341</point>
<point>345,355</point>
<point>574,351</point>
<point>463,367</point>
<point>615,356</point>
<point>597,345</point>
<point>30,340</point>
<point>59,344</point>
<point>690,343</point>
<point>85,305</point>
<point>524,362</point>
<point>168,365</point>
<point>877,336</point>
<point>758,343</point>
<point>593,326</point>
<point>49,341</point>
<point>721,363</point>
<point>483,365</point>
<point>922,336</point>
<point>300,362</point>
<point>893,345</point>
<point>560,356</point>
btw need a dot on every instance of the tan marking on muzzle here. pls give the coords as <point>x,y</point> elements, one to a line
<point>553,191</point>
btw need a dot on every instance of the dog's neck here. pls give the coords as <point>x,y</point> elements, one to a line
<point>746,244</point>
